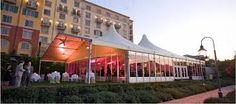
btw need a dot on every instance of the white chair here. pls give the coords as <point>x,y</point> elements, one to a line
<point>74,78</point>
<point>35,77</point>
<point>65,76</point>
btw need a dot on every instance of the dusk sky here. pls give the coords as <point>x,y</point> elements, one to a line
<point>179,25</point>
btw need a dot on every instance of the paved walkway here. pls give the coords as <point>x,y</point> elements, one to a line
<point>199,98</point>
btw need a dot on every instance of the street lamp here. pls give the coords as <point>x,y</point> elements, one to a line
<point>216,64</point>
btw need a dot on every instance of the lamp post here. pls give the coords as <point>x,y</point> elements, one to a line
<point>216,64</point>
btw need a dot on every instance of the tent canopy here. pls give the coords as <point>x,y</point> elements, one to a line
<point>147,44</point>
<point>68,48</point>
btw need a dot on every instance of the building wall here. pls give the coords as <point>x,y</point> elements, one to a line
<point>49,11</point>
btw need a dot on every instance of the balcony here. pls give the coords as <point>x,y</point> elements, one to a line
<point>32,4</point>
<point>75,30</point>
<point>46,23</point>
<point>62,9</point>
<point>108,23</point>
<point>61,27</point>
<point>117,26</point>
<point>75,12</point>
<point>11,1</point>
<point>99,20</point>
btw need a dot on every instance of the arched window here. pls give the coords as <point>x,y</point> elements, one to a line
<point>4,43</point>
<point>25,45</point>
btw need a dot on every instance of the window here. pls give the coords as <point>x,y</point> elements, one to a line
<point>27,34</point>
<point>98,25</point>
<point>97,33</point>
<point>76,4</point>
<point>29,12</point>
<point>8,7</point>
<point>88,7</point>
<point>25,45</point>
<point>29,23</point>
<point>43,39</point>
<point>5,31</point>
<point>44,30</point>
<point>108,14</point>
<point>87,30</point>
<point>4,43</point>
<point>117,17</point>
<point>75,19</point>
<point>47,12</point>
<point>64,1</point>
<point>87,15</point>
<point>99,11</point>
<point>87,22</point>
<point>48,3</point>
<point>6,19</point>
<point>62,16</point>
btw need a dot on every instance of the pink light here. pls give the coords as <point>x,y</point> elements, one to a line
<point>93,61</point>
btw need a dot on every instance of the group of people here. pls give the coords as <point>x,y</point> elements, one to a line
<point>17,75</point>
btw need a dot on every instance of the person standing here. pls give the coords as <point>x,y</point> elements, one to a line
<point>27,74</point>
<point>19,73</point>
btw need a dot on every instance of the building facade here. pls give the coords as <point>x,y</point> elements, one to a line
<point>20,24</point>
<point>50,17</point>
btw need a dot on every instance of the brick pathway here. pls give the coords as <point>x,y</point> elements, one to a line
<point>199,98</point>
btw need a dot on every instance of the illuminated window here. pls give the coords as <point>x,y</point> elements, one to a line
<point>87,22</point>
<point>88,8</point>
<point>43,39</point>
<point>48,3</point>
<point>6,19</point>
<point>29,23</point>
<point>27,34</point>
<point>87,15</point>
<point>4,43</point>
<point>87,30</point>
<point>47,12</point>
<point>5,31</point>
<point>64,1</point>
<point>76,4</point>
<point>44,30</point>
<point>62,16</point>
<point>25,45</point>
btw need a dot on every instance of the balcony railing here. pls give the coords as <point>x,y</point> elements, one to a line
<point>32,4</point>
<point>61,27</point>
<point>11,1</point>
<point>75,12</point>
<point>45,23</point>
<point>62,9</point>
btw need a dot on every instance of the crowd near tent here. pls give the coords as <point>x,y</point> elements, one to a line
<point>113,58</point>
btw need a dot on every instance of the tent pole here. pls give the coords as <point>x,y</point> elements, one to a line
<point>89,61</point>
<point>39,66</point>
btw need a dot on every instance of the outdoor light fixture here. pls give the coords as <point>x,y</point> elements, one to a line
<point>62,45</point>
<point>216,64</point>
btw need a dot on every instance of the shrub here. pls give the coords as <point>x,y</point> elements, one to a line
<point>147,96</point>
<point>229,98</point>
<point>72,99</point>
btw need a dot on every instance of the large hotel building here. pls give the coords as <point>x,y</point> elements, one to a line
<point>26,23</point>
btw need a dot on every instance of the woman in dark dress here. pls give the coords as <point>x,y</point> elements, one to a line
<point>7,74</point>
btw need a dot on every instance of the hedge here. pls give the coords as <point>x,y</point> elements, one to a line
<point>108,92</point>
